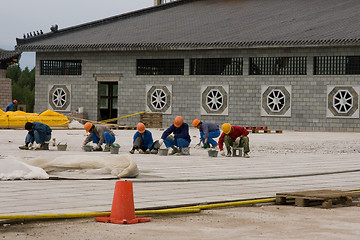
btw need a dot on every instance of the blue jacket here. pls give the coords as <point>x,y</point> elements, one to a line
<point>146,137</point>
<point>180,132</point>
<point>10,107</point>
<point>207,127</point>
<point>42,128</point>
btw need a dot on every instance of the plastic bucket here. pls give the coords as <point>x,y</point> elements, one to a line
<point>114,150</point>
<point>88,148</point>
<point>163,151</point>
<point>61,147</point>
<point>213,153</point>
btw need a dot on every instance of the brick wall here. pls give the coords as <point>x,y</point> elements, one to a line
<point>308,98</point>
<point>5,90</point>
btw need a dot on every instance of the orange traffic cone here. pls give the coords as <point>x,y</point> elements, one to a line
<point>122,210</point>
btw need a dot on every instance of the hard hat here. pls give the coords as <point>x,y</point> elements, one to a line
<point>141,127</point>
<point>88,126</point>
<point>196,122</point>
<point>15,101</point>
<point>178,121</point>
<point>226,127</point>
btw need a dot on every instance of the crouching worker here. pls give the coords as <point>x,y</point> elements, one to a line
<point>181,137</point>
<point>234,136</point>
<point>208,131</point>
<point>143,141</point>
<point>99,134</point>
<point>39,133</point>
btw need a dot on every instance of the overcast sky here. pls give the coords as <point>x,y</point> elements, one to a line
<point>24,16</point>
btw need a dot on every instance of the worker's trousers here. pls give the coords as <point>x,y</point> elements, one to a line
<point>38,137</point>
<point>244,142</point>
<point>107,136</point>
<point>179,142</point>
<point>213,134</point>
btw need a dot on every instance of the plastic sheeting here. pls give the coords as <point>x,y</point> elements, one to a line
<point>18,119</point>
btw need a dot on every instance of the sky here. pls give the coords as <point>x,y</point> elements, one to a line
<point>24,16</point>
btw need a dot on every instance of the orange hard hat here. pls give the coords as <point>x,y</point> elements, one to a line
<point>88,126</point>
<point>15,101</point>
<point>196,122</point>
<point>226,127</point>
<point>141,127</point>
<point>178,121</point>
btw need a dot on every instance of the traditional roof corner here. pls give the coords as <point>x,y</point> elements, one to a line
<point>8,58</point>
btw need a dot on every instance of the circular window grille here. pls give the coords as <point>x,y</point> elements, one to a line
<point>158,99</point>
<point>343,101</point>
<point>59,97</point>
<point>276,100</point>
<point>214,100</point>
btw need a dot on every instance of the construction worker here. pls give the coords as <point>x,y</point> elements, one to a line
<point>208,131</point>
<point>180,139</point>
<point>143,141</point>
<point>11,106</point>
<point>99,134</point>
<point>234,136</point>
<point>39,133</point>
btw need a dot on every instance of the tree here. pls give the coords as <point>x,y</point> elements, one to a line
<point>23,85</point>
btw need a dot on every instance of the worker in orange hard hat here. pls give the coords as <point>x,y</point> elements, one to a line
<point>11,106</point>
<point>143,141</point>
<point>234,136</point>
<point>208,131</point>
<point>181,138</point>
<point>99,134</point>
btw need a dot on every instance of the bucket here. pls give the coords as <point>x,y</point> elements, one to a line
<point>163,151</point>
<point>88,148</point>
<point>61,147</point>
<point>114,149</point>
<point>213,153</point>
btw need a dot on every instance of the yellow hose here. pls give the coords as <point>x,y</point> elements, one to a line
<point>190,209</point>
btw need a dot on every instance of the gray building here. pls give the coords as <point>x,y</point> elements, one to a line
<point>291,64</point>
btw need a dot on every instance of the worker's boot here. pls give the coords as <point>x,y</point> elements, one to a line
<point>24,147</point>
<point>132,151</point>
<point>229,153</point>
<point>154,151</point>
<point>107,147</point>
<point>174,151</point>
<point>44,146</point>
<point>246,155</point>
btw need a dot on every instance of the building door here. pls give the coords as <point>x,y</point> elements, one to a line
<point>108,100</point>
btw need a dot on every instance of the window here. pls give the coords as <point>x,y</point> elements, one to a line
<point>216,66</point>
<point>60,67</point>
<point>160,66</point>
<point>278,66</point>
<point>337,65</point>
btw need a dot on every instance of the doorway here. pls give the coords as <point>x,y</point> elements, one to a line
<point>108,100</point>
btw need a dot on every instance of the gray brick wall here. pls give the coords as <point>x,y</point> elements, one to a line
<point>5,90</point>
<point>309,92</point>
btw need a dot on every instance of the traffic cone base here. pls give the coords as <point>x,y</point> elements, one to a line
<point>122,210</point>
<point>123,221</point>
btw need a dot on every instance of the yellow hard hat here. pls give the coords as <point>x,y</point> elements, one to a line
<point>226,127</point>
<point>196,122</point>
<point>141,127</point>
<point>88,126</point>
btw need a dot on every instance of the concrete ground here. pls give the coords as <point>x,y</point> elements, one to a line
<point>282,162</point>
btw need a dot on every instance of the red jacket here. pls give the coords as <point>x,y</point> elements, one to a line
<point>236,131</point>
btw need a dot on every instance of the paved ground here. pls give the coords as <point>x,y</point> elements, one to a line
<point>291,161</point>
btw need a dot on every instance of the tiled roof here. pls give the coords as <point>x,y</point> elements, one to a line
<point>208,24</point>
<point>5,54</point>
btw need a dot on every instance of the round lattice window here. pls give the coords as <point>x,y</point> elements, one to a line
<point>158,99</point>
<point>276,100</point>
<point>214,100</point>
<point>343,101</point>
<point>59,97</point>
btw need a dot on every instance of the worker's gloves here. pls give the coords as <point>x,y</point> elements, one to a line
<point>222,153</point>
<point>30,146</point>
<point>161,141</point>
<point>237,141</point>
<point>37,146</point>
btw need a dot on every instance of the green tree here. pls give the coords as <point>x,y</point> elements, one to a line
<point>23,85</point>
